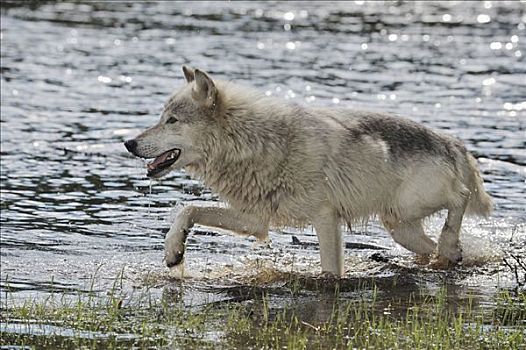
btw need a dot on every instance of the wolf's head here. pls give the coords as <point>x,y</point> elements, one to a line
<point>175,141</point>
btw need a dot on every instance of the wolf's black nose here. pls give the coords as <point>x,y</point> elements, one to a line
<point>131,145</point>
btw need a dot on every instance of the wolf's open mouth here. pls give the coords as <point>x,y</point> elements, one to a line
<point>163,161</point>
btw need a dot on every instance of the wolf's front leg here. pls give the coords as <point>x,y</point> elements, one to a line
<point>327,226</point>
<point>225,218</point>
<point>175,240</point>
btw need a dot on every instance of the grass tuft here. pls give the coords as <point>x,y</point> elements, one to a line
<point>330,320</point>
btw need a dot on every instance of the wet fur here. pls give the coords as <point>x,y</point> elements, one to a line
<point>277,163</point>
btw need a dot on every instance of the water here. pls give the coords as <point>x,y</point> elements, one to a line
<point>79,79</point>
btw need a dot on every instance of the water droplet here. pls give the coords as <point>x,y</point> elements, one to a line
<point>307,88</point>
<point>14,92</point>
<point>518,53</point>
<point>364,46</point>
<point>488,82</point>
<point>517,107</point>
<point>446,17</point>
<point>260,45</point>
<point>438,105</point>
<point>116,42</point>
<point>125,79</point>
<point>286,26</point>
<point>290,45</point>
<point>288,16</point>
<point>170,41</point>
<point>104,79</point>
<point>392,96</point>
<point>149,202</point>
<point>425,37</point>
<point>509,46</point>
<point>495,45</point>
<point>393,37</point>
<point>335,100</point>
<point>482,18</point>
<point>514,39</point>
<point>487,4</point>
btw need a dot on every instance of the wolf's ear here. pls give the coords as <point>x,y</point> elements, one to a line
<point>205,91</point>
<point>188,74</point>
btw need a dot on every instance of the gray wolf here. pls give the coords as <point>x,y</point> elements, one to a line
<point>277,163</point>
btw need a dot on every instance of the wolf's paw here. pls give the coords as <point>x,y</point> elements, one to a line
<point>172,259</point>
<point>454,255</point>
<point>175,246</point>
<point>422,259</point>
<point>440,262</point>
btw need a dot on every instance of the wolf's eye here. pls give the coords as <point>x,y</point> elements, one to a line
<point>171,120</point>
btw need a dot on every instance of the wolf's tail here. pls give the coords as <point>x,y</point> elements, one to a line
<point>480,203</point>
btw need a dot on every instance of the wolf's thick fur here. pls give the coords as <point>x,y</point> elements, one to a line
<point>283,164</point>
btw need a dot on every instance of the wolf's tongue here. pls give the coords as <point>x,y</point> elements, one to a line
<point>161,159</point>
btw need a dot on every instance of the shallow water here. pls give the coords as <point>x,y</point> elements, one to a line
<point>79,79</point>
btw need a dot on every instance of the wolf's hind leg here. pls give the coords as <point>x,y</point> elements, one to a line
<point>327,226</point>
<point>410,235</point>
<point>448,243</point>
<point>225,218</point>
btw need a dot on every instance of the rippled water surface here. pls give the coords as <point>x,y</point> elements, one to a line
<point>79,79</point>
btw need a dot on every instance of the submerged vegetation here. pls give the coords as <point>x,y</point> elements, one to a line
<point>264,320</point>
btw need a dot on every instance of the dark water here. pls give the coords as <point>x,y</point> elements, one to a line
<point>79,79</point>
